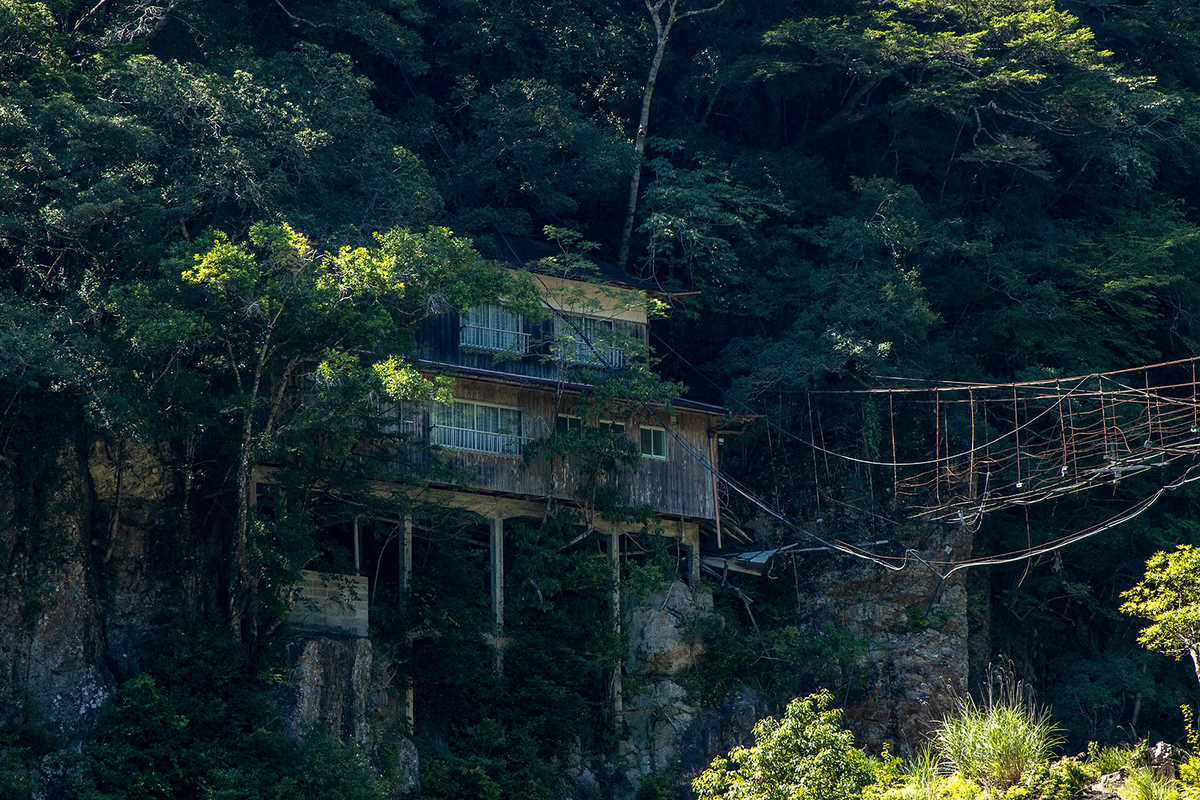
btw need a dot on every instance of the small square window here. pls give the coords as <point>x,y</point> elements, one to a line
<point>654,442</point>
<point>566,422</point>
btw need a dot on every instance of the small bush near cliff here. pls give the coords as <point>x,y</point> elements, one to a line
<point>1189,777</point>
<point>935,787</point>
<point>1108,760</point>
<point>1062,780</point>
<point>807,755</point>
<point>923,780</point>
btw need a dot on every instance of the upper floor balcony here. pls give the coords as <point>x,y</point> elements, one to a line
<point>584,326</point>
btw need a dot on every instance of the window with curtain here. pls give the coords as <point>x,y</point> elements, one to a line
<point>587,341</point>
<point>493,329</point>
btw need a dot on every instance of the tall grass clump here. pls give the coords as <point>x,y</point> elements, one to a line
<point>1144,784</point>
<point>922,776</point>
<point>998,741</point>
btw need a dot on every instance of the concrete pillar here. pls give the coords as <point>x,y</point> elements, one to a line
<point>497,536</point>
<point>406,541</point>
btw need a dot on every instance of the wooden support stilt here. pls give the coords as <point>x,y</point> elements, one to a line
<point>1062,427</point>
<point>1195,422</point>
<point>614,553</point>
<point>406,545</point>
<point>406,561</point>
<point>937,447</point>
<point>1074,449</point>
<point>497,552</point>
<point>1104,418</point>
<point>357,546</point>
<point>812,437</point>
<point>691,540</point>
<point>824,449</point>
<point>1017,437</point>
<point>1149,410</point>
<point>712,461</point>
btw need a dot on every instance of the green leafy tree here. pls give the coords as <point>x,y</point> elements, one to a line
<point>807,755</point>
<point>228,332</point>
<point>1169,596</point>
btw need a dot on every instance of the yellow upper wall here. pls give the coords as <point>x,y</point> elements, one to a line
<point>593,299</point>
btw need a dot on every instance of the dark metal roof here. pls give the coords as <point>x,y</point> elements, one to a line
<point>549,383</point>
<point>525,253</point>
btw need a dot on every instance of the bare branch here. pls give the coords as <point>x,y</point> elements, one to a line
<point>89,14</point>
<point>700,11</point>
<point>297,20</point>
<point>148,18</point>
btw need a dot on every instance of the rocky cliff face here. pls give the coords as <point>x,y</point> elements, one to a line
<point>341,686</point>
<point>52,644</point>
<point>100,557</point>
<point>913,626</point>
<point>666,732</point>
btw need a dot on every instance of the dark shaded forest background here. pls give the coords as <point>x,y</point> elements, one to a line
<point>833,191</point>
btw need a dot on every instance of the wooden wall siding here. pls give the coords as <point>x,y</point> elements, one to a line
<point>438,341</point>
<point>676,486</point>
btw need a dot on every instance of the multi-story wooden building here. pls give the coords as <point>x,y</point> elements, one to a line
<point>517,380</point>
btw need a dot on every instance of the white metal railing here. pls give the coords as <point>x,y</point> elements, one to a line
<point>478,427</point>
<point>492,340</point>
<point>477,441</point>
<point>493,329</point>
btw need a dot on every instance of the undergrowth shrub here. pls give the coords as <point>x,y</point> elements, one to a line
<point>197,724</point>
<point>806,755</point>
<point>1062,780</point>
<point>922,779</point>
<point>1108,760</point>
<point>1188,776</point>
<point>995,746</point>
<point>922,775</point>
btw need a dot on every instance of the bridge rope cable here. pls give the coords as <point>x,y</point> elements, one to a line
<point>1076,390</point>
<point>1166,431</point>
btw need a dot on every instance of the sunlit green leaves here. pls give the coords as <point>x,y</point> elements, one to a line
<point>1169,597</point>
<point>806,755</point>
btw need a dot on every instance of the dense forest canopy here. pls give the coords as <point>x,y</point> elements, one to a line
<point>941,191</point>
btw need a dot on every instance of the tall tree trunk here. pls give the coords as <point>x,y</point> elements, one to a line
<point>663,32</point>
<point>1194,652</point>
<point>241,579</point>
